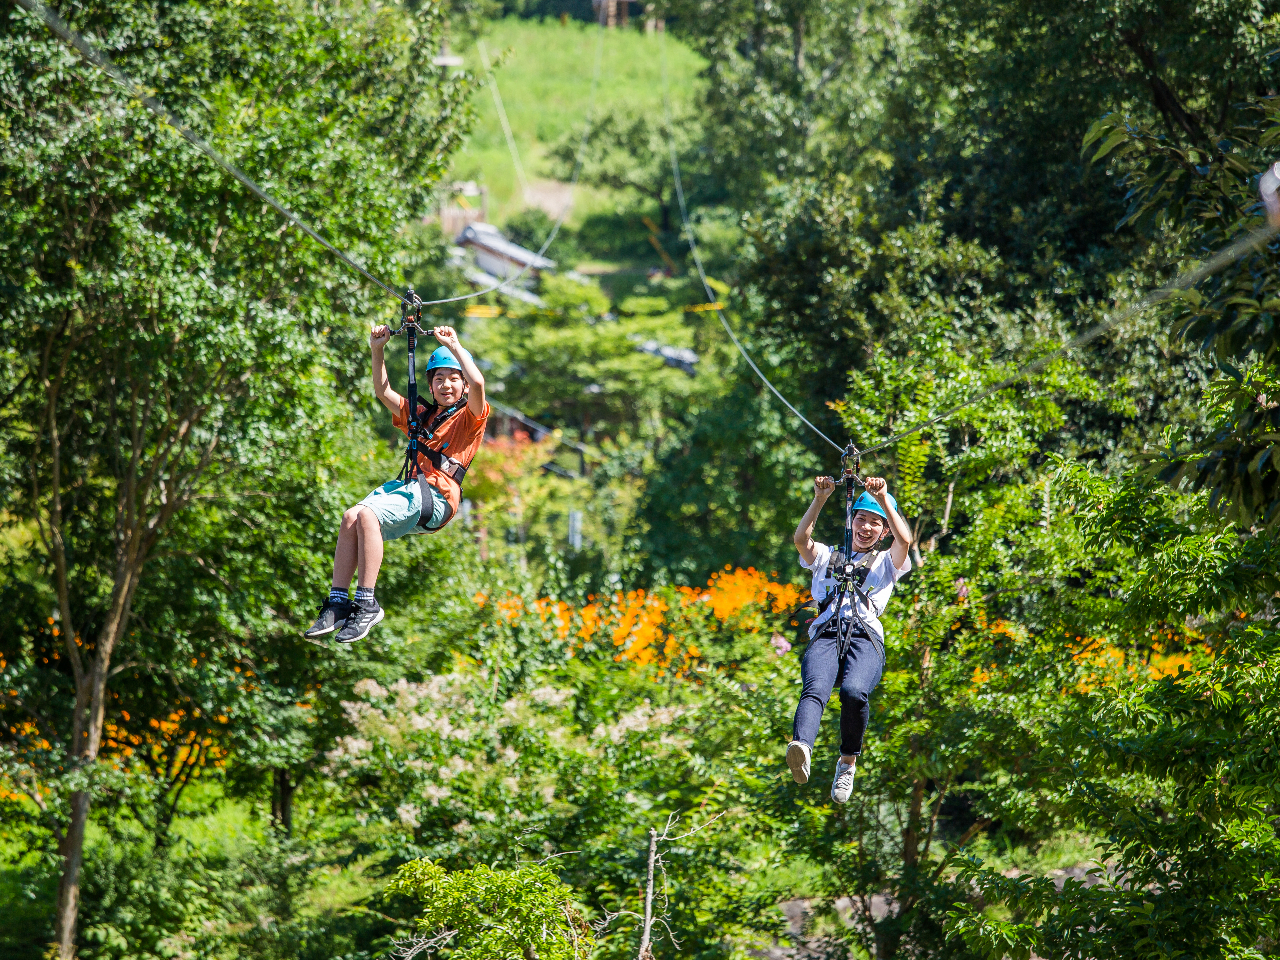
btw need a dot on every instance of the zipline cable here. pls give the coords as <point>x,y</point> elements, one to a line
<point>502,116</point>
<point>697,257</point>
<point>107,66</point>
<point>579,160</point>
<point>1253,240</point>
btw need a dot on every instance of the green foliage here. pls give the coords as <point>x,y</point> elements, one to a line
<point>485,914</point>
<point>1237,462</point>
<point>1191,856</point>
<point>728,481</point>
<point>1205,195</point>
<point>1175,771</point>
<point>791,88</point>
<point>574,362</point>
<point>1000,96</point>
<point>629,151</point>
<point>545,79</point>
<point>143,905</point>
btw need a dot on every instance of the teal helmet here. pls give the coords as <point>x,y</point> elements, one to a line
<point>443,359</point>
<point>869,503</point>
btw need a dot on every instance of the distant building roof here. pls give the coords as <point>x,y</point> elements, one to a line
<point>484,280</point>
<point>489,238</point>
<point>681,358</point>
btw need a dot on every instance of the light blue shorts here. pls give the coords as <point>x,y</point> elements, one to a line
<point>398,507</point>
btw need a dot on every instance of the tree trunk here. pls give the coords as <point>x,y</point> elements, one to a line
<point>89,712</point>
<point>797,43</point>
<point>946,513</point>
<point>282,801</point>
<point>889,934</point>
<point>91,695</point>
<point>71,849</point>
<point>1176,114</point>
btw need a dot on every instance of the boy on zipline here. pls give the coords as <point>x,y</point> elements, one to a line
<point>450,432</point>
<point>846,646</point>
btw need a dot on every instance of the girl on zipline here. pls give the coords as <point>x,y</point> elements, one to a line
<point>451,431</point>
<point>846,646</point>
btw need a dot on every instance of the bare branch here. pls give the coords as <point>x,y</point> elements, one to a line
<point>690,833</point>
<point>413,946</point>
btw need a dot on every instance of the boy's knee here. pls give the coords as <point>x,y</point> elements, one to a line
<point>854,693</point>
<point>352,515</point>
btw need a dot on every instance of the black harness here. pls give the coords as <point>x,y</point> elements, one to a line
<point>419,437</point>
<point>420,434</point>
<point>850,575</point>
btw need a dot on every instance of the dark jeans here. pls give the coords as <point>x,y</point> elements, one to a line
<point>857,676</point>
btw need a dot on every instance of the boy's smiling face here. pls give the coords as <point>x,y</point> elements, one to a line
<point>447,386</point>
<point>868,528</point>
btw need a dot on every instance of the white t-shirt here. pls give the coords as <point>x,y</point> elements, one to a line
<point>878,587</point>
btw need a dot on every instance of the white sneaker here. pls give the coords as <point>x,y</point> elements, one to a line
<point>842,786</point>
<point>798,761</point>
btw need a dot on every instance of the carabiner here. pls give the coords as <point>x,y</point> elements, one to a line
<point>848,472</point>
<point>410,303</point>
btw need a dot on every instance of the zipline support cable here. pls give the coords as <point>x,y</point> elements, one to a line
<point>712,303</point>
<point>107,66</point>
<point>1269,189</point>
<point>502,116</point>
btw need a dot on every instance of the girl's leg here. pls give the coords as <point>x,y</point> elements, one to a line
<point>348,550</point>
<point>370,535</point>
<point>818,670</point>
<point>862,669</point>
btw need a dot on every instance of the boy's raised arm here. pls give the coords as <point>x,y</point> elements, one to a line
<point>475,379</point>
<point>823,487</point>
<point>378,338</point>
<point>877,487</point>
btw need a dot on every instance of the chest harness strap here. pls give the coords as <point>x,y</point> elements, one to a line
<point>419,438</point>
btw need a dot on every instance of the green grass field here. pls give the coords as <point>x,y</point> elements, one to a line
<point>545,82</point>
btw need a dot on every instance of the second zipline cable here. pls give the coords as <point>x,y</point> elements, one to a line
<point>1251,241</point>
<point>105,64</point>
<point>697,257</point>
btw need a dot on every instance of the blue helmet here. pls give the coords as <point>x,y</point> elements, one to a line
<point>869,503</point>
<point>443,359</point>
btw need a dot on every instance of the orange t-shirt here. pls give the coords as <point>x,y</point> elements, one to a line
<point>463,433</point>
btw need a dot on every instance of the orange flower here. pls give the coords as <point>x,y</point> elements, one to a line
<point>511,607</point>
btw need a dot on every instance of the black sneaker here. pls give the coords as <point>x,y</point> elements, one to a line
<point>364,615</point>
<point>333,614</point>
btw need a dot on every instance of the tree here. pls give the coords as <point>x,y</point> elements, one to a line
<point>1206,199</point>
<point>484,914</point>
<point>629,150</point>
<point>165,336</point>
<point>993,100</point>
<point>793,88</point>
<point>1177,770</point>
